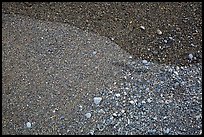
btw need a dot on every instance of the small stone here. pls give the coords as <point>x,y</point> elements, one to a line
<point>176,84</point>
<point>28,124</point>
<point>165,41</point>
<point>190,56</point>
<point>80,107</point>
<point>101,111</point>
<point>62,117</point>
<point>123,111</point>
<point>91,132</point>
<point>142,27</point>
<point>143,102</point>
<point>139,105</point>
<point>175,72</point>
<point>94,52</point>
<point>144,61</point>
<point>97,100</point>
<point>166,131</point>
<point>88,115</point>
<point>132,102</point>
<point>155,118</point>
<point>115,115</point>
<point>117,95</point>
<point>171,38</point>
<point>159,32</point>
<point>149,100</point>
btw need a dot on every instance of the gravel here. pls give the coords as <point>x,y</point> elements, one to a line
<point>159,103</point>
<point>66,86</point>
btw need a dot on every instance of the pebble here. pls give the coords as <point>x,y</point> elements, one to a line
<point>166,131</point>
<point>159,32</point>
<point>171,38</point>
<point>29,125</point>
<point>117,95</point>
<point>149,100</point>
<point>143,102</point>
<point>97,100</point>
<point>175,72</point>
<point>142,27</point>
<point>123,111</point>
<point>62,117</point>
<point>94,52</point>
<point>115,115</point>
<point>101,111</point>
<point>144,61</point>
<point>88,115</point>
<point>132,102</point>
<point>91,132</point>
<point>190,56</point>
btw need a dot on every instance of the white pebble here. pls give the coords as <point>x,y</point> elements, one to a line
<point>143,102</point>
<point>117,95</point>
<point>94,52</point>
<point>114,114</point>
<point>190,56</point>
<point>132,102</point>
<point>144,61</point>
<point>142,27</point>
<point>171,38</point>
<point>88,115</point>
<point>123,111</point>
<point>175,72</point>
<point>167,131</point>
<point>28,124</point>
<point>159,32</point>
<point>149,100</point>
<point>97,100</point>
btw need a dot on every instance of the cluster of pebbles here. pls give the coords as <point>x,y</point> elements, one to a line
<point>151,99</point>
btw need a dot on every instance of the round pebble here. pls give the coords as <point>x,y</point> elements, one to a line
<point>94,52</point>
<point>144,61</point>
<point>159,32</point>
<point>132,102</point>
<point>117,95</point>
<point>28,124</point>
<point>88,115</point>
<point>190,56</point>
<point>97,100</point>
